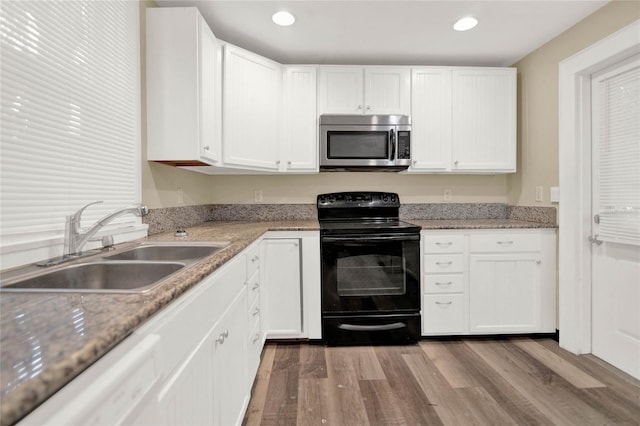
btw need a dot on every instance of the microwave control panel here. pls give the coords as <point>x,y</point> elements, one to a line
<point>404,145</point>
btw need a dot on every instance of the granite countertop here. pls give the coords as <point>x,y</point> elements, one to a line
<point>47,339</point>
<point>479,224</point>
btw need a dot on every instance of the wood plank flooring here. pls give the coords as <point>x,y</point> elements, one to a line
<point>476,381</point>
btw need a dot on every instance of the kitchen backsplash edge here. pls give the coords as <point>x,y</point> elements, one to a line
<point>172,218</point>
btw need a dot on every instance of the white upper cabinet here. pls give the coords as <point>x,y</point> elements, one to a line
<point>299,152</point>
<point>364,90</point>
<point>251,110</point>
<point>463,120</point>
<point>484,119</point>
<point>431,119</point>
<point>183,88</point>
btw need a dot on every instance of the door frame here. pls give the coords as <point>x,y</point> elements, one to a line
<point>574,125</point>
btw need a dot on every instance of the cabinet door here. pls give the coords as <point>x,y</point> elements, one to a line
<point>387,90</point>
<point>431,119</point>
<point>300,119</point>
<point>210,96</point>
<point>340,90</point>
<point>484,119</point>
<point>251,108</point>
<point>231,385</point>
<point>173,78</point>
<point>281,294</point>
<point>505,292</point>
<point>187,397</point>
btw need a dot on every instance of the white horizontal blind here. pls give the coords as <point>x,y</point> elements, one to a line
<point>618,153</point>
<point>70,124</point>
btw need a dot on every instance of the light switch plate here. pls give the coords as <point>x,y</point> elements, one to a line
<point>554,194</point>
<point>539,193</point>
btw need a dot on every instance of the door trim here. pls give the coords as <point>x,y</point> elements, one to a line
<point>574,122</point>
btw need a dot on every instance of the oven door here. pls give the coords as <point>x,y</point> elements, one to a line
<point>370,274</point>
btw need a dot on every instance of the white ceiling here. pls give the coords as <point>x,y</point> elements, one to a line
<point>392,32</point>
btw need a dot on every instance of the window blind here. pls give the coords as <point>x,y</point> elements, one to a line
<point>617,157</point>
<point>70,114</point>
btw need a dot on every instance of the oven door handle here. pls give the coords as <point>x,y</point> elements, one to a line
<point>382,327</point>
<point>366,238</point>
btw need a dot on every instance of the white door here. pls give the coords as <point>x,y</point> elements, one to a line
<point>616,210</point>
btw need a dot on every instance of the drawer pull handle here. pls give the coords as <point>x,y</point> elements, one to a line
<point>504,243</point>
<point>447,283</point>
<point>444,263</point>
<point>444,303</point>
<point>447,244</point>
<point>254,259</point>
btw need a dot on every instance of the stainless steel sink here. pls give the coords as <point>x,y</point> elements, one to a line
<point>168,252</point>
<point>99,277</point>
<point>130,270</point>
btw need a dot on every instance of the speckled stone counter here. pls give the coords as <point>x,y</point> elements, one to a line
<point>479,224</point>
<point>47,339</point>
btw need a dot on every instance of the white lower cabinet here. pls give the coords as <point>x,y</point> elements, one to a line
<point>506,292</point>
<point>282,302</point>
<point>494,281</point>
<point>231,393</point>
<point>194,362</point>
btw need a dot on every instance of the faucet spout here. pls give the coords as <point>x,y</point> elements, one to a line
<point>75,239</point>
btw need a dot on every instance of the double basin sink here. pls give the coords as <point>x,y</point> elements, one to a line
<point>135,269</point>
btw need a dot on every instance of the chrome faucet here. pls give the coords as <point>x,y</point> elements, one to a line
<point>75,238</point>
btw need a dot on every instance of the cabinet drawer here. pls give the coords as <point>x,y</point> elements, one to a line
<point>443,314</point>
<point>502,243</point>
<point>444,283</point>
<point>254,350</point>
<point>254,312</point>
<point>253,259</point>
<point>253,287</point>
<point>443,243</point>
<point>438,264</point>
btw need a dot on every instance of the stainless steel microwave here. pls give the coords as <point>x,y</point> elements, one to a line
<point>365,142</point>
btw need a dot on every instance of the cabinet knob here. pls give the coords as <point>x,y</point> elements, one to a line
<point>206,148</point>
<point>415,162</point>
<point>288,163</point>
<point>256,312</point>
<point>256,286</point>
<point>256,337</point>
<point>278,162</point>
<point>220,339</point>
<point>455,163</point>
<point>538,262</point>
<point>368,107</point>
<point>360,107</point>
<point>254,259</point>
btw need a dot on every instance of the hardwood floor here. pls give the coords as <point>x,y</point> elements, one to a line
<point>506,381</point>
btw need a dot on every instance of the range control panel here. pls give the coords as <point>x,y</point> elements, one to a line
<point>358,199</point>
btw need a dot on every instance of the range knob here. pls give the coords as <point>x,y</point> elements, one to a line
<point>385,198</point>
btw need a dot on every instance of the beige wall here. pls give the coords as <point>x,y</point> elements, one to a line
<point>164,186</point>
<point>412,189</point>
<point>538,100</point>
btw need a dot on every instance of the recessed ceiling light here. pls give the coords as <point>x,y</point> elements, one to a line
<point>465,23</point>
<point>283,18</point>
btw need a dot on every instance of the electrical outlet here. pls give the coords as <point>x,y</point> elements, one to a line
<point>447,194</point>
<point>554,194</point>
<point>539,194</point>
<point>257,195</point>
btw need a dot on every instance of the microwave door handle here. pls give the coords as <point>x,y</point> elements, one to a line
<point>392,139</point>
